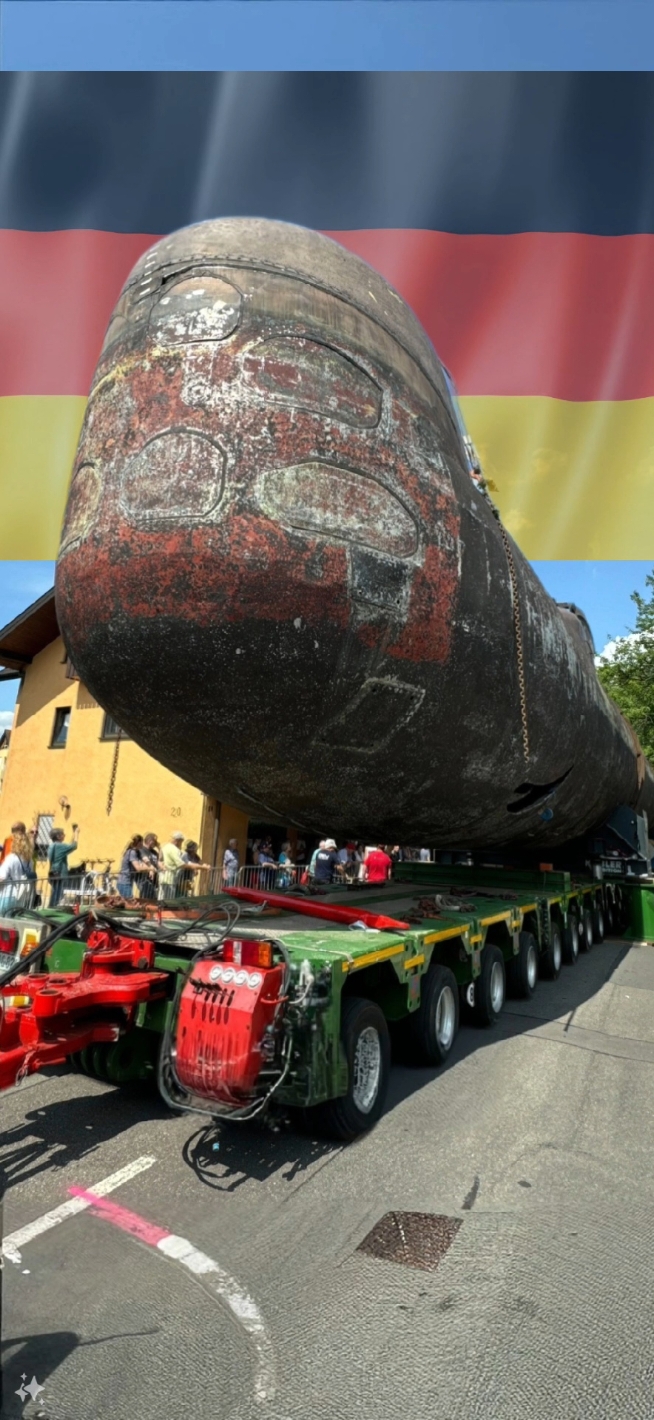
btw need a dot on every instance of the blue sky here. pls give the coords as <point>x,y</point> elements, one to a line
<point>343,34</point>
<point>602,590</point>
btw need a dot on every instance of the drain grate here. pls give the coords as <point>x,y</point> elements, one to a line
<point>414,1239</point>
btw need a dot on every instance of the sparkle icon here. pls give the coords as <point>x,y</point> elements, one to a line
<point>32,1389</point>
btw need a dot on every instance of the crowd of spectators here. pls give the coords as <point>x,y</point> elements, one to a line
<point>148,869</point>
<point>353,862</point>
<point>152,871</point>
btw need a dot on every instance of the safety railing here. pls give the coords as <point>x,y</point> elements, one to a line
<point>266,877</point>
<point>77,890</point>
<point>68,890</point>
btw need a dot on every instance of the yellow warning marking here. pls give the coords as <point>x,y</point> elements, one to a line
<point>370,958</point>
<point>442,936</point>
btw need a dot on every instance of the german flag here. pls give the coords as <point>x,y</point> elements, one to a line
<point>515,213</point>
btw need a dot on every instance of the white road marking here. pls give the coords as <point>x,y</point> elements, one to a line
<point>178,1249</point>
<point>240,1303</point>
<point>12,1244</point>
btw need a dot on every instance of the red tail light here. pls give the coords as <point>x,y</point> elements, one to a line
<point>8,940</point>
<point>246,952</point>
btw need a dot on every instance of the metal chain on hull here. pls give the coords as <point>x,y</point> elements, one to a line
<point>517,626</point>
<point>112,776</point>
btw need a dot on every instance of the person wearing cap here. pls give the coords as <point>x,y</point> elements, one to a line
<point>326,862</point>
<point>172,865</point>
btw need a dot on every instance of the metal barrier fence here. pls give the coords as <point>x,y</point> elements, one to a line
<point>82,889</point>
<point>69,890</point>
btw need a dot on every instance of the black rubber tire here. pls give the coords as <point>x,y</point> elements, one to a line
<point>423,1025</point>
<point>598,923</point>
<point>484,1011</point>
<point>342,1118</point>
<point>86,1060</point>
<point>609,916</point>
<point>522,970</point>
<point>98,1057</point>
<point>571,940</point>
<point>586,930</point>
<point>551,959</point>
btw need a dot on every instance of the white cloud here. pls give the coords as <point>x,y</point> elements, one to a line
<point>608,654</point>
<point>6,719</point>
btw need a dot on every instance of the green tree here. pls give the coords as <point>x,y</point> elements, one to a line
<point>629,677</point>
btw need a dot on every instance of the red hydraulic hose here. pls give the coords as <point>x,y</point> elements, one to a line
<point>327,911</point>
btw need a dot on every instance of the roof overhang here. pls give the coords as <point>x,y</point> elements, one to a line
<point>23,638</point>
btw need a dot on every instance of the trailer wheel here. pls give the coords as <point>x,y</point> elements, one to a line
<point>598,923</point>
<point>433,1027</point>
<point>571,940</point>
<point>522,972</point>
<point>586,930</point>
<point>552,957</point>
<point>99,1062</point>
<point>367,1046</point>
<point>490,987</point>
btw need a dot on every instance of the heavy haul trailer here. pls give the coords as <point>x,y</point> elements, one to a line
<point>293,1010</point>
<point>582,908</point>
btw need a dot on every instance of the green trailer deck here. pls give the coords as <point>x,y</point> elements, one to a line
<point>463,937</point>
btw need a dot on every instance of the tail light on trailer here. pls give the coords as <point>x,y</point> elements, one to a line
<point>247,952</point>
<point>30,941</point>
<point>9,940</point>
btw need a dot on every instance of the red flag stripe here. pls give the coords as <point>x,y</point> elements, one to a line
<point>565,315</point>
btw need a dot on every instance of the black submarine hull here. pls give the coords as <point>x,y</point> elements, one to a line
<point>278,575</point>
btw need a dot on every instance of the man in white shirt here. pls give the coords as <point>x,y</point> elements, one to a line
<point>230,863</point>
<point>171,857</point>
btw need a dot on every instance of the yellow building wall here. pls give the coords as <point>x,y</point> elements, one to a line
<point>3,764</point>
<point>147,798</point>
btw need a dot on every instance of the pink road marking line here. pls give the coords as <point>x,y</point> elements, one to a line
<point>122,1217</point>
<point>203,1268</point>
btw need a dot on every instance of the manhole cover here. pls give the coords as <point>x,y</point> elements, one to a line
<point>416,1239</point>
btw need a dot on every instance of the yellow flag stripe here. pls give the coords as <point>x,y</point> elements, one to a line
<point>572,480</point>
<point>38,438</point>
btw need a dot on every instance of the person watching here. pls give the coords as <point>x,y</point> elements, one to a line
<point>173,862</point>
<point>326,862</point>
<point>150,854</point>
<point>58,855</point>
<point>231,863</point>
<point>377,865</point>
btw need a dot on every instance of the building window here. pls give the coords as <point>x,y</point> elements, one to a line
<point>44,827</point>
<point>112,731</point>
<point>60,728</point>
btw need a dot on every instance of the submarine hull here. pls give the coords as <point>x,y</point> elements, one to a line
<point>278,576</point>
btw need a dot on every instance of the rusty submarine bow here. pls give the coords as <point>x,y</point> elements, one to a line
<point>280,573</point>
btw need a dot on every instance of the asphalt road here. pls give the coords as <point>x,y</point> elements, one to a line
<point>538,1138</point>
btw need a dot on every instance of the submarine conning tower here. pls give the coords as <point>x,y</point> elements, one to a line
<point>277,574</point>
